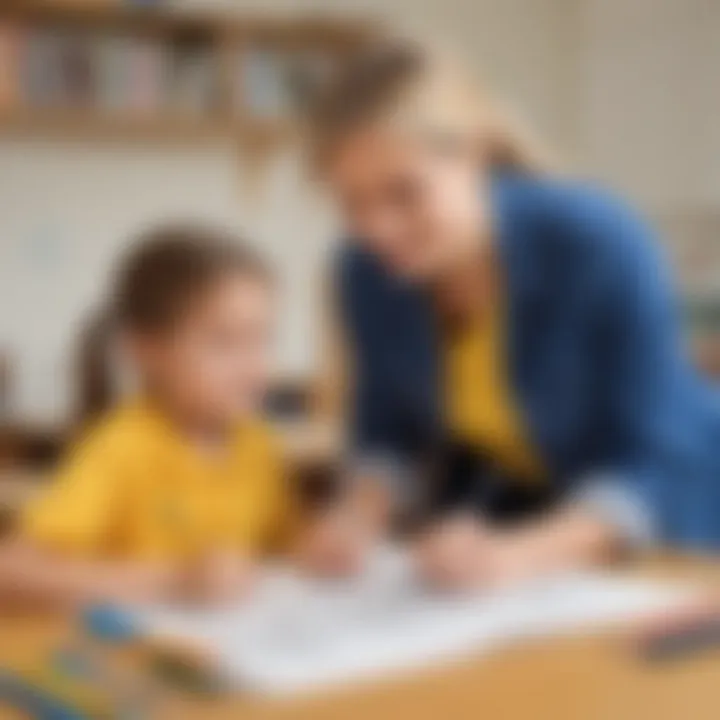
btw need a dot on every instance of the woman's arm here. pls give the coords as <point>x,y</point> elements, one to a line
<point>647,419</point>
<point>461,552</point>
<point>650,394</point>
<point>568,538</point>
<point>623,500</point>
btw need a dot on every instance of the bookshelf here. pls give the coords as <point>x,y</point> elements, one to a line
<point>112,71</point>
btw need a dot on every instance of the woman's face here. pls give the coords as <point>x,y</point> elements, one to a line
<point>418,208</point>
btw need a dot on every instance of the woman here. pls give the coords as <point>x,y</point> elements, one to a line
<point>512,330</point>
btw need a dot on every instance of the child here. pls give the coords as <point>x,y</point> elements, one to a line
<point>173,492</point>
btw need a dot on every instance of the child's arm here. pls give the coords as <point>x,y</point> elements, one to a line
<point>64,545</point>
<point>33,577</point>
<point>338,539</point>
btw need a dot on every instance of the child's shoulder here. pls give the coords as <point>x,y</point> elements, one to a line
<point>126,429</point>
<point>259,434</point>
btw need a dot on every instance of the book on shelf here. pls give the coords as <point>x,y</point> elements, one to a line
<point>275,84</point>
<point>115,72</point>
<point>148,76</point>
<point>10,44</point>
<point>261,87</point>
<point>193,81</point>
<point>131,75</point>
<point>112,73</point>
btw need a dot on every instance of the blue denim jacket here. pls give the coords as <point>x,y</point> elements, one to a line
<point>596,357</point>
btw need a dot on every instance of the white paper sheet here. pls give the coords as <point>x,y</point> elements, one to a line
<point>296,635</point>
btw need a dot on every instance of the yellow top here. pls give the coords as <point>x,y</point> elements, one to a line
<point>479,403</point>
<point>134,489</point>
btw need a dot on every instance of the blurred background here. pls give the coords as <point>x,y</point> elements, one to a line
<point>116,115</point>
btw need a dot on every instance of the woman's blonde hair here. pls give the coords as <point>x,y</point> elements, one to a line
<point>397,80</point>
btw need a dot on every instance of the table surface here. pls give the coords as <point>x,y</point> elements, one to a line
<point>576,678</point>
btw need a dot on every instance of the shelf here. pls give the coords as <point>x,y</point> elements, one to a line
<point>87,125</point>
<point>223,38</point>
<point>291,28</point>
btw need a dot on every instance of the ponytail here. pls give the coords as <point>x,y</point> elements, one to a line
<point>95,386</point>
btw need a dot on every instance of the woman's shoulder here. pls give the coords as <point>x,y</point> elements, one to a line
<point>576,221</point>
<point>580,207</point>
<point>353,262</point>
<point>362,284</point>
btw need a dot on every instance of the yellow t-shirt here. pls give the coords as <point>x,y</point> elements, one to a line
<point>134,489</point>
<point>480,407</point>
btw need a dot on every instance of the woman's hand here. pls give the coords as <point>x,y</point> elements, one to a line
<point>462,554</point>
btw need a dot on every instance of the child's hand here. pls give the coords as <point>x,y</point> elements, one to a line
<point>219,577</point>
<point>336,544</point>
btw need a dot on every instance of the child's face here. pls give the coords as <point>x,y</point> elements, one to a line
<point>214,365</point>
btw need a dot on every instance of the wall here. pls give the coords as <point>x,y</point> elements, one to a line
<point>622,88</point>
<point>648,100</point>
<point>67,209</point>
<point>648,121</point>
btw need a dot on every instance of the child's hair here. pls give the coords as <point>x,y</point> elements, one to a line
<point>156,282</point>
<point>408,83</point>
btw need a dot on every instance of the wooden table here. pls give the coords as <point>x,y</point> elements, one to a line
<point>582,678</point>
